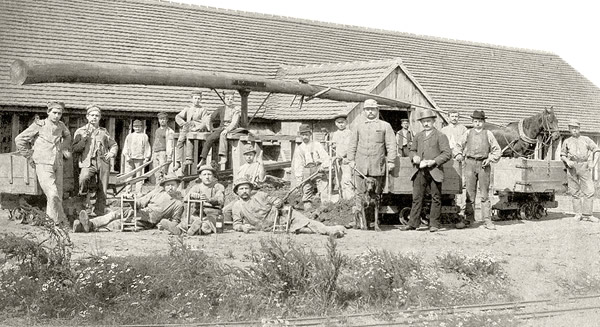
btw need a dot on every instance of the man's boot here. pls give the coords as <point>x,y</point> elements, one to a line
<point>489,224</point>
<point>194,228</point>
<point>84,220</point>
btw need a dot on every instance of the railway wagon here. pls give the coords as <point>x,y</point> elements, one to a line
<point>18,182</point>
<point>527,187</point>
<point>397,197</point>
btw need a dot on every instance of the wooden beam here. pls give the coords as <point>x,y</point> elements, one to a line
<point>111,131</point>
<point>15,128</point>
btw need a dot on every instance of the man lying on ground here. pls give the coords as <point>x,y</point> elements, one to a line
<point>258,211</point>
<point>163,204</point>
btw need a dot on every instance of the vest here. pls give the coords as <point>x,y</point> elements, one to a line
<point>478,145</point>
<point>160,140</point>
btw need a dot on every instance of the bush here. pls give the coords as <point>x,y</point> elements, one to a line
<point>478,266</point>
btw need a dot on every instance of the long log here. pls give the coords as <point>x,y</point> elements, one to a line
<point>33,72</point>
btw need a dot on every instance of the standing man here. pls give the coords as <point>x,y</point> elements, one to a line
<point>455,133</point>
<point>96,148</point>
<point>371,150</point>
<point>229,119</point>
<point>136,151</point>
<point>404,139</point>
<point>577,152</point>
<point>340,141</point>
<point>429,151</point>
<point>163,146</point>
<point>47,142</point>
<point>478,148</point>
<point>310,157</point>
<point>192,119</point>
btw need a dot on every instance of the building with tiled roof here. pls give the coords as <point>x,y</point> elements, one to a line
<point>507,83</point>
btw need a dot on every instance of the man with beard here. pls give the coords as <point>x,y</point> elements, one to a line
<point>162,205</point>
<point>258,211</point>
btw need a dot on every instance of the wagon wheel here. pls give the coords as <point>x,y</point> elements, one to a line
<point>404,216</point>
<point>531,210</point>
<point>506,214</point>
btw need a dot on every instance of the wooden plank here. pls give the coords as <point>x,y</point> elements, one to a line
<point>19,177</point>
<point>153,127</point>
<point>15,128</point>
<point>400,178</point>
<point>529,175</point>
<point>111,131</point>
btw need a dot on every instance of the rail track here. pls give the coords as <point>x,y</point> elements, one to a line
<point>524,310</point>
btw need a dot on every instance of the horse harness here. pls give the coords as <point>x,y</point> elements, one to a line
<point>546,129</point>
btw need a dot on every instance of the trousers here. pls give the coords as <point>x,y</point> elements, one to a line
<point>421,181</point>
<point>131,165</point>
<point>50,178</point>
<point>184,142</point>
<point>581,188</point>
<point>98,168</point>
<point>475,174</point>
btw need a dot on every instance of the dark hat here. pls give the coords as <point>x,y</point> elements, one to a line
<point>248,148</point>
<point>304,128</point>
<point>196,92</point>
<point>242,181</point>
<point>340,115</point>
<point>206,167</point>
<point>56,105</point>
<point>162,114</point>
<point>404,120</point>
<point>478,114</point>
<point>137,122</point>
<point>425,113</point>
<point>170,178</point>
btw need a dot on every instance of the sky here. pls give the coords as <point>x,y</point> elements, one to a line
<point>570,29</point>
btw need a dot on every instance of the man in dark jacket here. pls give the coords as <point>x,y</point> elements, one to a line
<point>429,151</point>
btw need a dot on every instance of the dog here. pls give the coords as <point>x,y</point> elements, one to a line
<point>367,205</point>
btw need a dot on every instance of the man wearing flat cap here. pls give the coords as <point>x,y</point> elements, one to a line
<point>195,118</point>
<point>162,206</point>
<point>162,148</point>
<point>339,141</point>
<point>577,153</point>
<point>96,148</point>
<point>428,153</point>
<point>404,139</point>
<point>309,158</point>
<point>478,148</point>
<point>47,142</point>
<point>372,149</point>
<point>136,151</point>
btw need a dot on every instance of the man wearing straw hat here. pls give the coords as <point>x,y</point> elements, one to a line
<point>429,151</point>
<point>96,148</point>
<point>578,154</point>
<point>478,148</point>
<point>162,205</point>
<point>48,142</point>
<point>258,211</point>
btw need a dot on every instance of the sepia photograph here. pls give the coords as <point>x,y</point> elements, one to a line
<point>306,163</point>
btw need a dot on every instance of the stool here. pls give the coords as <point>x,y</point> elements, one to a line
<point>188,216</point>
<point>278,226</point>
<point>131,225</point>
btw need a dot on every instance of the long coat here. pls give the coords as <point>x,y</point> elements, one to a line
<point>432,147</point>
<point>372,144</point>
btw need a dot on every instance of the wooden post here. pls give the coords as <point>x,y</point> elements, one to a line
<point>153,128</point>
<point>236,156</point>
<point>111,131</point>
<point>244,116</point>
<point>15,128</point>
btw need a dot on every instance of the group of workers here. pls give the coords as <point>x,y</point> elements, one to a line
<point>368,151</point>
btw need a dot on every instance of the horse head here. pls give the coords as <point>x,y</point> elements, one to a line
<point>550,123</point>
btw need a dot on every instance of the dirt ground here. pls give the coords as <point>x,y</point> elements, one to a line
<point>535,254</point>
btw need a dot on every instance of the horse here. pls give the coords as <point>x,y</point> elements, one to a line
<point>518,139</point>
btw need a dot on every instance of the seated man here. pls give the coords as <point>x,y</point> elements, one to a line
<point>229,118</point>
<point>162,203</point>
<point>259,211</point>
<point>213,194</point>
<point>252,170</point>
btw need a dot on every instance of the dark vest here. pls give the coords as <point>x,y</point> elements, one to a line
<point>160,140</point>
<point>478,145</point>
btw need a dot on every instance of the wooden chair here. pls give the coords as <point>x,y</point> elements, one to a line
<point>278,225</point>
<point>133,224</point>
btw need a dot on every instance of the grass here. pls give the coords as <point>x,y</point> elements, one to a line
<point>284,280</point>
